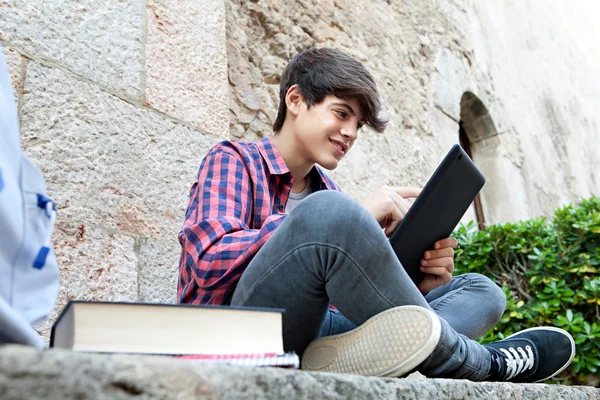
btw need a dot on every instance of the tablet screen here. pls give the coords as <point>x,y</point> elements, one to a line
<point>437,210</point>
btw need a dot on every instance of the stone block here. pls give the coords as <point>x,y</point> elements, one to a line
<point>14,61</point>
<point>94,264</point>
<point>158,270</point>
<point>445,129</point>
<point>100,40</point>
<point>493,157</point>
<point>106,162</point>
<point>451,82</point>
<point>187,62</point>
<point>26,373</point>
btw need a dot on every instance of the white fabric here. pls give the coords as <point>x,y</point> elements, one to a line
<point>295,198</point>
<point>28,270</point>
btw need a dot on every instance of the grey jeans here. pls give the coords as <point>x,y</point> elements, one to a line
<point>330,250</point>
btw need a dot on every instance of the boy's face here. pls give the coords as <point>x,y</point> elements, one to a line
<point>326,131</point>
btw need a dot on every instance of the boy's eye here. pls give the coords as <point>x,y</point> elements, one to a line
<point>342,114</point>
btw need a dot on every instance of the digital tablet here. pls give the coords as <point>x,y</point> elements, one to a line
<point>437,210</point>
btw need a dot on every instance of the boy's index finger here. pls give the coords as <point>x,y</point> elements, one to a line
<point>408,192</point>
<point>447,242</point>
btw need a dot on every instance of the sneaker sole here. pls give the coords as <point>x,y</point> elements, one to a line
<point>390,344</point>
<point>556,330</point>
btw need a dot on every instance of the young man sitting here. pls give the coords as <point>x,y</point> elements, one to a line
<point>265,227</point>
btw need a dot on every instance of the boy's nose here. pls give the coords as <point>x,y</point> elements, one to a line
<point>349,132</point>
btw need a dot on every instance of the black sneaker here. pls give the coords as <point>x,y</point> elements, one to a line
<point>532,355</point>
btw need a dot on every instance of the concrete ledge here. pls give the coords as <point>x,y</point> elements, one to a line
<point>26,373</point>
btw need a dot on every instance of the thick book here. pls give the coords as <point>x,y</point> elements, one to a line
<point>170,329</point>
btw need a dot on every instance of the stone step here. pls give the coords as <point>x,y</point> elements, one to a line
<point>26,373</point>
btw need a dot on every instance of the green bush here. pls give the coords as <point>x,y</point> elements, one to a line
<point>549,272</point>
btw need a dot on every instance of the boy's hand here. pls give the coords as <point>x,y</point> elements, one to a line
<point>438,264</point>
<point>389,205</point>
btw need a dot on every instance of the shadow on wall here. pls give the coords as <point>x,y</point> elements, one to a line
<point>475,118</point>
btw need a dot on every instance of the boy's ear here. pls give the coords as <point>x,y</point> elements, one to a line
<point>293,99</point>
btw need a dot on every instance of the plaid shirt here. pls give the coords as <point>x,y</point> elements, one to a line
<point>234,208</point>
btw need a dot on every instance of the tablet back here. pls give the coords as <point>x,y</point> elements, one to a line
<point>437,210</point>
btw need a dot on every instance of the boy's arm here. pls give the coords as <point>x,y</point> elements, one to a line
<point>217,242</point>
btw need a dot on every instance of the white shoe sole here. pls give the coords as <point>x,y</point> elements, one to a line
<point>390,344</point>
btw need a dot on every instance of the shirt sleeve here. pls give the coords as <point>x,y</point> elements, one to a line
<point>217,239</point>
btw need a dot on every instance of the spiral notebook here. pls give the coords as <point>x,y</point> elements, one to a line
<point>285,360</point>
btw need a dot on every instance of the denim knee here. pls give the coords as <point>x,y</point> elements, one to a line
<point>496,299</point>
<point>331,210</point>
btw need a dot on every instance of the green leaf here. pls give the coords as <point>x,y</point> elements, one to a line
<point>570,315</point>
<point>594,361</point>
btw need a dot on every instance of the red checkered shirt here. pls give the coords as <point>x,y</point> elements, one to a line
<point>234,208</point>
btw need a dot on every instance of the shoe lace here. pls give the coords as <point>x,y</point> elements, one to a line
<point>517,360</point>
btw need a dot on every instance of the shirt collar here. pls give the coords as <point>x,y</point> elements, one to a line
<point>325,183</point>
<point>277,165</point>
<point>270,154</point>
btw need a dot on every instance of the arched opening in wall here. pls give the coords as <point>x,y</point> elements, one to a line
<point>466,145</point>
<point>475,125</point>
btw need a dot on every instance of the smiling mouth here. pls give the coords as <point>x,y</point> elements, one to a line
<point>339,147</point>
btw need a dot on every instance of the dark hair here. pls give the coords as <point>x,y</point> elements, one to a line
<point>324,71</point>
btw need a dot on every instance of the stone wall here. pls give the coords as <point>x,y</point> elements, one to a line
<point>119,101</point>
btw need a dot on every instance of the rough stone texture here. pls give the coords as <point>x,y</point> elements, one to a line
<point>101,40</point>
<point>158,262</point>
<point>15,64</point>
<point>545,72</point>
<point>107,162</point>
<point>31,374</point>
<point>94,264</point>
<point>425,55</point>
<point>501,160</point>
<point>187,62</point>
<point>450,83</point>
